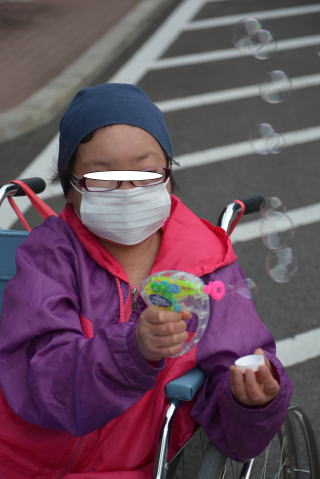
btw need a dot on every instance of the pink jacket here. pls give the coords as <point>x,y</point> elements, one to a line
<point>79,401</point>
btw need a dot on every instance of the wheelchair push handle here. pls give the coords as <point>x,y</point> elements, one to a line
<point>38,185</point>
<point>252,204</point>
<point>232,213</point>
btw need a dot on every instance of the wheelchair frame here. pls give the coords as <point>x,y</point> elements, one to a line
<point>296,430</point>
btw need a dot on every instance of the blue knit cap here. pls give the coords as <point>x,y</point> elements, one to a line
<point>108,104</point>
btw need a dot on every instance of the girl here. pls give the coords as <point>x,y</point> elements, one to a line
<point>83,361</point>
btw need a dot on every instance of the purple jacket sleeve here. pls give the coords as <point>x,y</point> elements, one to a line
<point>51,374</point>
<point>235,330</point>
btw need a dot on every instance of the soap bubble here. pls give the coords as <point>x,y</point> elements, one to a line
<point>276,87</point>
<point>279,144</point>
<point>264,139</point>
<point>270,204</point>
<point>249,37</point>
<point>281,265</point>
<point>276,229</point>
<point>268,46</point>
<point>245,287</point>
<point>245,35</point>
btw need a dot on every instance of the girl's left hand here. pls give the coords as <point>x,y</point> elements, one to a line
<point>254,389</point>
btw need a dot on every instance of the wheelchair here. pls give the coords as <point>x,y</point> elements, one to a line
<point>292,454</point>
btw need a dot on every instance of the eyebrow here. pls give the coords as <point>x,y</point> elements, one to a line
<point>145,155</point>
<point>95,163</point>
<point>104,163</point>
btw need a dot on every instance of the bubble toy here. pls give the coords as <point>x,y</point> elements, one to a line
<point>177,291</point>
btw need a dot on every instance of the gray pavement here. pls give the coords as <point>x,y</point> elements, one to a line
<point>51,49</point>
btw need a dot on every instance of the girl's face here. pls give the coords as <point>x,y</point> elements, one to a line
<point>116,147</point>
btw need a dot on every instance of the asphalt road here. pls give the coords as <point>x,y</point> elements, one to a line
<point>292,175</point>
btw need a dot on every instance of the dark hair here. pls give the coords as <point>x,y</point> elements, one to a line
<point>64,175</point>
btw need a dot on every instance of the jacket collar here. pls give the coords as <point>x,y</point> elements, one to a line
<point>188,243</point>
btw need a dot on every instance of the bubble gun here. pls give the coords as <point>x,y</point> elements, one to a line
<point>177,291</point>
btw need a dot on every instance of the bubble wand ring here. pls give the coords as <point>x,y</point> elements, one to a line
<point>179,291</point>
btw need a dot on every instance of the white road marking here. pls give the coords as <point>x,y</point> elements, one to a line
<point>299,348</point>
<point>260,15</point>
<point>140,62</point>
<point>227,54</point>
<point>194,101</point>
<point>42,165</point>
<point>300,217</point>
<point>236,150</point>
<point>132,72</point>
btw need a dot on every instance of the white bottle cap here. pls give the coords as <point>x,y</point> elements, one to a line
<point>253,361</point>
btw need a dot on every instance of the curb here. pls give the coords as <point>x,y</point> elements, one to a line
<point>50,100</point>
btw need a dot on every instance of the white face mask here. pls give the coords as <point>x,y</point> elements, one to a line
<point>126,217</point>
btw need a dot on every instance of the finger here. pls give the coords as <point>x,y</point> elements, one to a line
<point>171,351</point>
<point>168,341</point>
<point>167,329</point>
<point>186,315</point>
<point>266,360</point>
<point>262,373</point>
<point>237,384</point>
<point>269,384</point>
<point>259,351</point>
<point>232,380</point>
<point>253,389</point>
<point>171,316</point>
<point>155,315</point>
<point>159,316</point>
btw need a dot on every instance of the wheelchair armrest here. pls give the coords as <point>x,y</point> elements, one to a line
<point>185,387</point>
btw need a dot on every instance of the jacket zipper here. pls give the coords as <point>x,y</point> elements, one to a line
<point>80,444</point>
<point>74,456</point>
<point>134,295</point>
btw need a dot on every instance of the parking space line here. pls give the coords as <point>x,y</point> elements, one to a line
<point>237,150</point>
<point>194,101</point>
<point>260,15</point>
<point>140,62</point>
<point>41,165</point>
<point>299,348</point>
<point>228,53</point>
<point>303,216</point>
<point>133,71</point>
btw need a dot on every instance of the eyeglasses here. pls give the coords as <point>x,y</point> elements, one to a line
<point>100,181</point>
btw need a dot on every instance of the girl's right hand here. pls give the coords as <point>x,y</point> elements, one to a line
<point>254,389</point>
<point>161,333</point>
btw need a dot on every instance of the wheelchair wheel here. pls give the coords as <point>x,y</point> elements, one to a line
<point>292,454</point>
